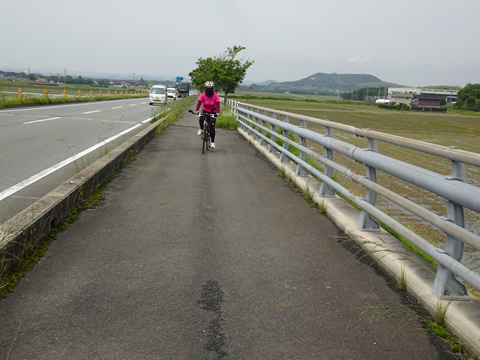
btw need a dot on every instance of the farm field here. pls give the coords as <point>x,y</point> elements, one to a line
<point>447,129</point>
<point>262,94</point>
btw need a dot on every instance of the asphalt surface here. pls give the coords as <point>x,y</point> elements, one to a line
<point>211,256</point>
<point>66,138</point>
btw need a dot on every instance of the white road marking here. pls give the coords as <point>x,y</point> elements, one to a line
<point>35,121</point>
<point>23,184</point>
<point>145,121</point>
<point>91,112</point>
<point>5,111</point>
<point>133,104</point>
<point>117,107</point>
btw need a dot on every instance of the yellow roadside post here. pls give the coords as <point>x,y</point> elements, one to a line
<point>79,93</point>
<point>46,94</point>
<point>64,94</point>
<point>20,94</point>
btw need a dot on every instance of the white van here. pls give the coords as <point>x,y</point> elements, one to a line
<point>172,93</point>
<point>158,94</point>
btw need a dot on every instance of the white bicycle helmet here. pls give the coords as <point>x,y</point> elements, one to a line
<point>209,84</point>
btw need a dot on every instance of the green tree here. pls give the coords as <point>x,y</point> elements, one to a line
<point>469,98</point>
<point>203,72</point>
<point>225,70</point>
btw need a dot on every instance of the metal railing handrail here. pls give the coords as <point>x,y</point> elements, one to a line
<point>458,193</point>
<point>451,153</point>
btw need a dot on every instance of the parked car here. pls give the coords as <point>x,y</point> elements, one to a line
<point>158,94</point>
<point>172,93</point>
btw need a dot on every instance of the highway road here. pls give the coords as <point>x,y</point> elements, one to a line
<point>41,147</point>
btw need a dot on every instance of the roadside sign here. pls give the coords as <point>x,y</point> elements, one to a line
<point>179,78</point>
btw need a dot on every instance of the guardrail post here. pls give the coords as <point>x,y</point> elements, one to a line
<point>272,148</point>
<point>239,111</point>
<point>249,123</point>
<point>325,190</point>
<point>235,112</point>
<point>366,222</point>
<point>283,157</point>
<point>446,286</point>
<point>255,136</point>
<point>303,156</point>
<point>264,123</point>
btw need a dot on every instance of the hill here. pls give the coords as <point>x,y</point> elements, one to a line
<point>321,83</point>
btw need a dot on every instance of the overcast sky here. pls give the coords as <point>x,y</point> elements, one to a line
<point>409,42</point>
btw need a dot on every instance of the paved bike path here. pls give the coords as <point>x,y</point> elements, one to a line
<point>211,256</point>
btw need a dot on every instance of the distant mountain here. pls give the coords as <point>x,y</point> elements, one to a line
<point>267,83</point>
<point>320,83</point>
<point>256,83</point>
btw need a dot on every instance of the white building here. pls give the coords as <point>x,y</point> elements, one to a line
<point>422,91</point>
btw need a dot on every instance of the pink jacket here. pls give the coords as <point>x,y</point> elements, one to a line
<point>210,104</point>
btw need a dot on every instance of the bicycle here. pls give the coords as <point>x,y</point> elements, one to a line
<point>206,129</point>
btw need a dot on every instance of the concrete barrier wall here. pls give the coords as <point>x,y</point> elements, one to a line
<point>33,225</point>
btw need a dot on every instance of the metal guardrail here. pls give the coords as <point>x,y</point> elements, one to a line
<point>454,188</point>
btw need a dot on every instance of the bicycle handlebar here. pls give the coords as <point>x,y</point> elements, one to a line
<point>201,111</point>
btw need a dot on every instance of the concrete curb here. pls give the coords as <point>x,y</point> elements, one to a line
<point>462,318</point>
<point>35,223</point>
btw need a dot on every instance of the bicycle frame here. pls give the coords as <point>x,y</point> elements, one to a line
<point>205,134</point>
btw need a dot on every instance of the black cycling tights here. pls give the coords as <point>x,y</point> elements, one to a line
<point>212,127</point>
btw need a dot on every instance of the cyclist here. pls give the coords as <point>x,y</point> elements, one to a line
<point>211,105</point>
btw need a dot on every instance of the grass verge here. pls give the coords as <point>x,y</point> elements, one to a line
<point>173,112</point>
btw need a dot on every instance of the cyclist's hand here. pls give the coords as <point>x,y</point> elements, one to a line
<point>196,112</point>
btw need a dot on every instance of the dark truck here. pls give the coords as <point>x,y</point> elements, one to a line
<point>183,89</point>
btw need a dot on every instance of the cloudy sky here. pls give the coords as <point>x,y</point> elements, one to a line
<point>409,42</point>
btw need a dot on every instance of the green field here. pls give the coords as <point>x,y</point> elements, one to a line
<point>447,129</point>
<point>260,94</point>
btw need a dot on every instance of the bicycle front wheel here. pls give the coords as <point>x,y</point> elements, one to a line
<point>206,141</point>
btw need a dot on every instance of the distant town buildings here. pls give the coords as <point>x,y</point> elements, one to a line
<point>421,97</point>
